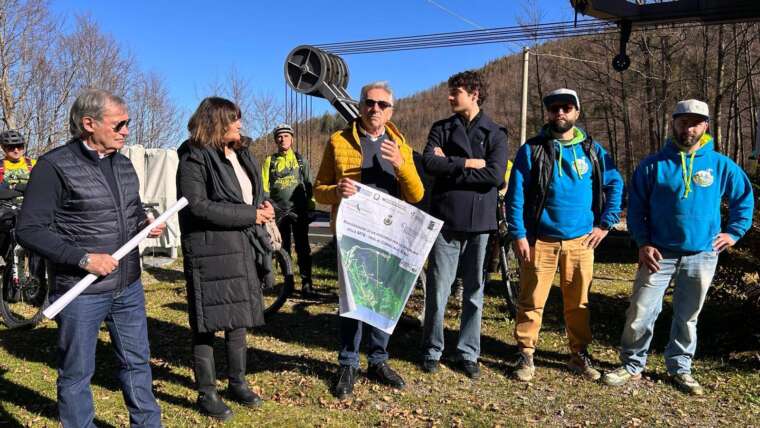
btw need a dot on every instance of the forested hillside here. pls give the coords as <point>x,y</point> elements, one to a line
<point>629,112</point>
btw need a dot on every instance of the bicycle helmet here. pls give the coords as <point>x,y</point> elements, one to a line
<point>11,138</point>
<point>283,127</point>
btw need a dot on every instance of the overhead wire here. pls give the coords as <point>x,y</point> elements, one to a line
<point>544,31</point>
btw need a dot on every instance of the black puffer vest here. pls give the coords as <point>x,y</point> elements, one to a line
<point>94,219</point>
<point>543,159</point>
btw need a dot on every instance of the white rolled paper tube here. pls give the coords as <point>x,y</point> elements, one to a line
<point>125,249</point>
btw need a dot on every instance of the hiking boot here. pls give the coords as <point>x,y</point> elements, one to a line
<point>580,363</point>
<point>686,383</point>
<point>619,377</point>
<point>344,384</point>
<point>383,373</point>
<point>430,366</point>
<point>524,368</point>
<point>470,369</point>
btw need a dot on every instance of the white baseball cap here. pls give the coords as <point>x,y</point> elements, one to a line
<point>562,95</point>
<point>695,107</point>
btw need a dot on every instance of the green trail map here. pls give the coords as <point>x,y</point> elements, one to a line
<point>376,281</point>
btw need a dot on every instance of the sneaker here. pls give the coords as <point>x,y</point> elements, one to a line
<point>619,377</point>
<point>430,366</point>
<point>686,383</point>
<point>471,369</point>
<point>580,363</point>
<point>524,368</point>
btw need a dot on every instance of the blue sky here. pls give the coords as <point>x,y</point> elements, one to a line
<point>192,43</point>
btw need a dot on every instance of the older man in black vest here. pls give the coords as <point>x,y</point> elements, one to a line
<point>81,205</point>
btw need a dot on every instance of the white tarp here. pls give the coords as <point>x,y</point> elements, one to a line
<point>157,171</point>
<point>382,246</point>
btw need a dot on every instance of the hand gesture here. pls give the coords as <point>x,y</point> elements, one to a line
<point>594,238</point>
<point>649,256</point>
<point>522,250</point>
<point>345,187</point>
<point>101,264</point>
<point>723,241</point>
<point>264,213</point>
<point>390,152</point>
<point>156,231</point>
<point>475,163</point>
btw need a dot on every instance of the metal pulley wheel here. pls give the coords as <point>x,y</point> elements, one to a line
<point>308,69</point>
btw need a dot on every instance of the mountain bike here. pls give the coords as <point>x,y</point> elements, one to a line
<point>508,264</point>
<point>25,288</point>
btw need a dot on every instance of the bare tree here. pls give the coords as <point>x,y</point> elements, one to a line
<point>155,117</point>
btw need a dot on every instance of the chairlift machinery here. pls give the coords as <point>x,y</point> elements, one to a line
<point>312,71</point>
<point>630,13</point>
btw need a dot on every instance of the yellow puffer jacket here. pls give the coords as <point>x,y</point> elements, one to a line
<point>343,158</point>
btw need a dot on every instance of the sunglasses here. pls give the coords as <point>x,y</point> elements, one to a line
<point>13,147</point>
<point>118,127</point>
<point>382,104</point>
<point>565,108</point>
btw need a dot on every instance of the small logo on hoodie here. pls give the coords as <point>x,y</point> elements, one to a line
<point>704,178</point>
<point>581,166</point>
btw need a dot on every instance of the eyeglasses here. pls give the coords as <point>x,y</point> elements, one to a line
<point>369,103</point>
<point>565,108</point>
<point>121,125</point>
<point>12,148</point>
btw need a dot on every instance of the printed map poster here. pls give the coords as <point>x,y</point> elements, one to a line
<point>383,243</point>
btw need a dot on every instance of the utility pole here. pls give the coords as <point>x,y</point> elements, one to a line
<point>524,112</point>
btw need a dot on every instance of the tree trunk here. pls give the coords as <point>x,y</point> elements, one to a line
<point>717,131</point>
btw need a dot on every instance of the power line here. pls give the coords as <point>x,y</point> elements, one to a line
<point>512,34</point>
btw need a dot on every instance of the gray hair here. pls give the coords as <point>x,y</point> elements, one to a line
<point>91,103</point>
<point>380,84</point>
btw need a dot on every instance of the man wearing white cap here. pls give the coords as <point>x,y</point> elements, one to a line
<point>564,195</point>
<point>674,214</point>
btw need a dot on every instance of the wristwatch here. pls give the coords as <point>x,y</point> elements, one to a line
<point>84,261</point>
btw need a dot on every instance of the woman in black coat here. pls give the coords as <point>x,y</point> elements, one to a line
<point>224,245</point>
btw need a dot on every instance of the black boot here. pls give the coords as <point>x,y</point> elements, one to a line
<point>304,267</point>
<point>238,387</point>
<point>205,376</point>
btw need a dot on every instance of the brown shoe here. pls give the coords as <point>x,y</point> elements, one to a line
<point>580,363</point>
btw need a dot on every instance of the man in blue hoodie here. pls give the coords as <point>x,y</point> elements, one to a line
<point>674,216</point>
<point>564,195</point>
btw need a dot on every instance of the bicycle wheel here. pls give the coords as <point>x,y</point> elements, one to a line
<point>24,290</point>
<point>509,278</point>
<point>276,294</point>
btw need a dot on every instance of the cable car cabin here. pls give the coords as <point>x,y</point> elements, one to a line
<point>628,13</point>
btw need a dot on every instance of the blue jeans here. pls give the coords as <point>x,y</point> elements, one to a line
<point>351,339</point>
<point>78,327</point>
<point>452,249</point>
<point>692,276</point>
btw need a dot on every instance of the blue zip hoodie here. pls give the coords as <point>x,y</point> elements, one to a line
<point>567,213</point>
<point>675,198</point>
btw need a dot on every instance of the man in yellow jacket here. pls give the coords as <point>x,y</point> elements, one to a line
<point>372,151</point>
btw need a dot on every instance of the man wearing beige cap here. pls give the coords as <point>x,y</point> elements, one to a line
<point>674,214</point>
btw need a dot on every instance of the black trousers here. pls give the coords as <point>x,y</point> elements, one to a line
<point>299,227</point>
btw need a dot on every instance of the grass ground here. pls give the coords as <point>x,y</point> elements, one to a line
<point>292,361</point>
